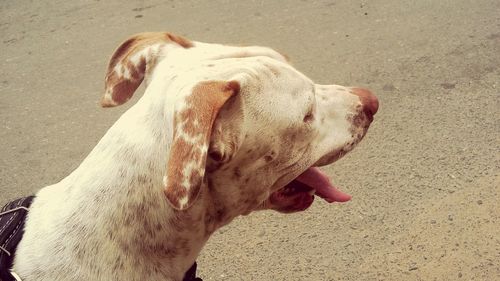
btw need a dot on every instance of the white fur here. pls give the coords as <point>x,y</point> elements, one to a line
<point>109,219</point>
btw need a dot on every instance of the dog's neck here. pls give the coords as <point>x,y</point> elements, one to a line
<point>141,224</point>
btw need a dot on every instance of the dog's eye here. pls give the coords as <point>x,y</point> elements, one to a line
<point>216,155</point>
<point>309,117</point>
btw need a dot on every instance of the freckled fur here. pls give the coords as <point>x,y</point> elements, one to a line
<point>110,219</point>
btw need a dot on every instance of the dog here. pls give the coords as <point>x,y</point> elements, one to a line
<point>219,132</point>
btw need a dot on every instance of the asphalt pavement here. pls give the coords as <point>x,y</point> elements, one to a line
<point>424,181</point>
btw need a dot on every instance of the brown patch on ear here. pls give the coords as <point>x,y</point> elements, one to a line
<point>192,129</point>
<point>132,60</point>
<point>287,58</point>
<point>186,43</point>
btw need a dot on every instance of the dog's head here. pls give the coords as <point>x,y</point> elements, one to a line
<point>245,127</point>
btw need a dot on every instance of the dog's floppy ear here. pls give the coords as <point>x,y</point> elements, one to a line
<point>194,117</point>
<point>134,59</point>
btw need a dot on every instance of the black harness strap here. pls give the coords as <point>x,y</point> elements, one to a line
<point>191,274</point>
<point>12,218</point>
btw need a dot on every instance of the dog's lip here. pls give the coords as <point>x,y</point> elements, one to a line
<point>322,186</point>
<point>294,197</point>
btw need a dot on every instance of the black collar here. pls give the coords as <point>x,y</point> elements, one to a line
<point>12,218</point>
<point>191,274</point>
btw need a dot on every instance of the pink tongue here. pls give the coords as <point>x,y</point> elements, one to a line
<point>318,180</point>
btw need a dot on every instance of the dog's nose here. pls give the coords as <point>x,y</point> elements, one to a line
<point>368,100</point>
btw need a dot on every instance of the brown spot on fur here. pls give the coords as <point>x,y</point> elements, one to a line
<point>357,121</point>
<point>237,173</point>
<point>274,70</point>
<point>143,179</point>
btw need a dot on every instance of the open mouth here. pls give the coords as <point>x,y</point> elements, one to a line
<point>299,194</point>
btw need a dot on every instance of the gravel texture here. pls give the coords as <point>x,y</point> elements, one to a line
<point>424,181</point>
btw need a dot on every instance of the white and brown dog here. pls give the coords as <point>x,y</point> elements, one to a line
<point>221,131</point>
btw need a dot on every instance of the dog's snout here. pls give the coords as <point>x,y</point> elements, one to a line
<point>368,100</point>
